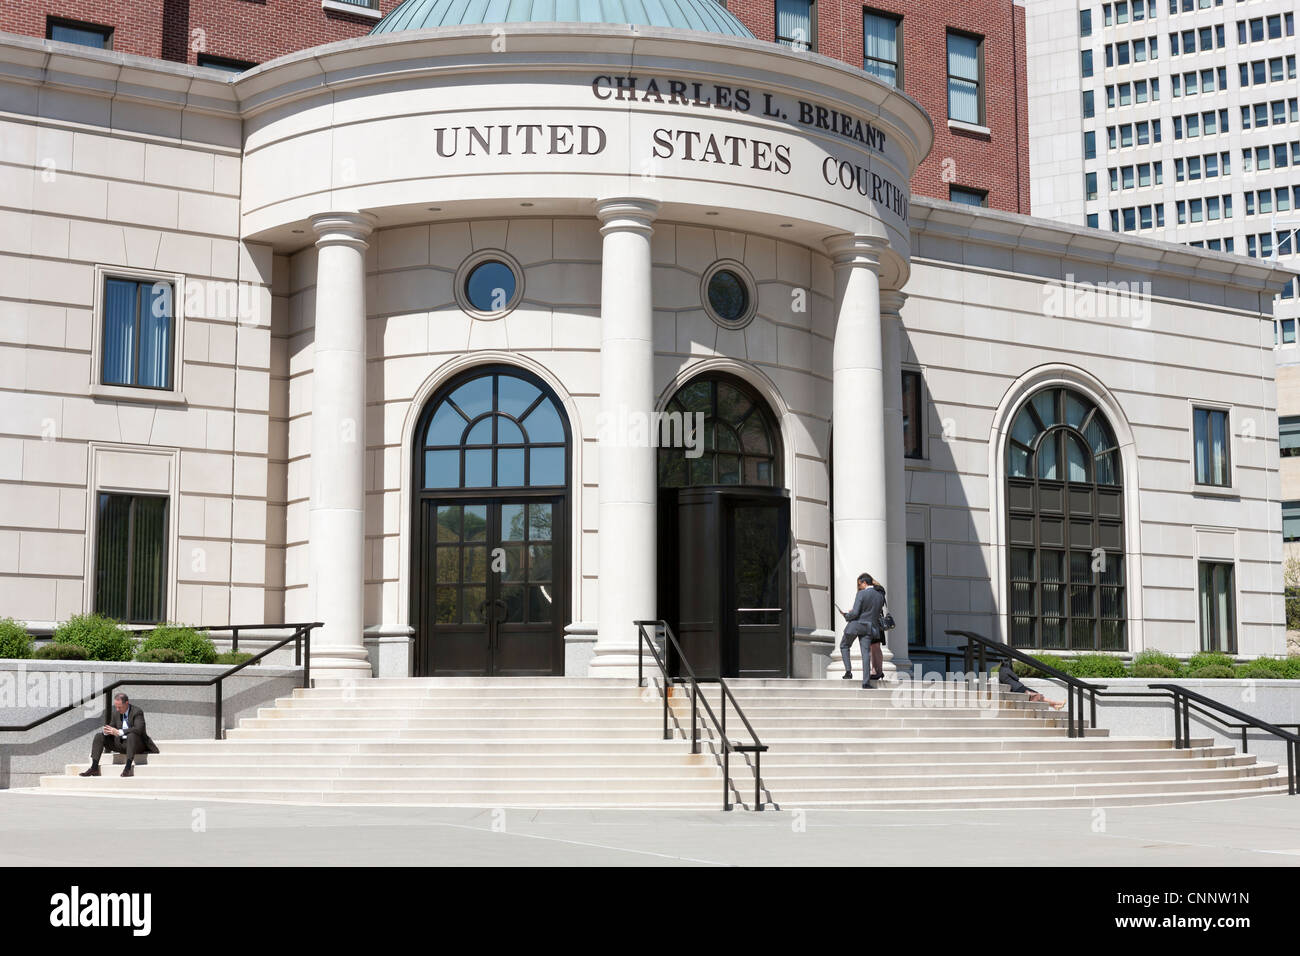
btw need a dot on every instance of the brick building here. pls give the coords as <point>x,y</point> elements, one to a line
<point>982,161</point>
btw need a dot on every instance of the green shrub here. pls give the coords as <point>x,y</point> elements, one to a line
<point>60,652</point>
<point>1156,658</point>
<point>1098,665</point>
<point>15,642</point>
<point>190,646</point>
<point>1152,670</point>
<point>103,638</point>
<point>1210,658</point>
<point>1253,671</point>
<point>1212,671</point>
<point>1268,667</point>
<point>1066,665</point>
<point>160,655</point>
<point>1293,666</point>
<point>233,657</point>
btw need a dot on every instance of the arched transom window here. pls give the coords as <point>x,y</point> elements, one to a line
<point>1065,526</point>
<point>497,430</point>
<point>739,444</point>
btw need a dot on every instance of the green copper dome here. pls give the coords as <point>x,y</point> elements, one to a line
<point>705,15</point>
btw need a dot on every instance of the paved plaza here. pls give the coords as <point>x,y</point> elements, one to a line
<point>38,829</point>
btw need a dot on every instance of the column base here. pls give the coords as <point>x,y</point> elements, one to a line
<point>620,661</point>
<point>835,666</point>
<point>340,664</point>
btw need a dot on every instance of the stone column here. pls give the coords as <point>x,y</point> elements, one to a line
<point>859,503</point>
<point>336,547</point>
<point>628,489</point>
<point>895,577</point>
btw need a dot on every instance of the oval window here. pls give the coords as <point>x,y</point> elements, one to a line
<point>490,286</point>
<point>728,296</point>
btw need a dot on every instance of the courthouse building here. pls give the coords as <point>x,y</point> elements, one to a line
<point>479,341</point>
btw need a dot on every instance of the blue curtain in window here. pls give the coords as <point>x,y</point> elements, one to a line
<point>155,335</point>
<point>794,21</point>
<point>880,47</point>
<point>963,78</point>
<point>119,331</point>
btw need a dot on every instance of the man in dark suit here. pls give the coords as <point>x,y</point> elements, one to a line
<point>864,625</point>
<point>126,734</point>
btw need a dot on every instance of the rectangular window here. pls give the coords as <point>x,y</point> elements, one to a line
<point>794,24</point>
<point>913,422</point>
<point>882,51</point>
<point>82,34</point>
<point>915,593</point>
<point>138,333</point>
<point>131,558</point>
<point>1210,445</point>
<point>1085,23</point>
<point>968,197</point>
<point>1090,185</point>
<point>1288,429</point>
<point>1085,63</point>
<point>1218,607</point>
<point>225,63</point>
<point>965,78</point>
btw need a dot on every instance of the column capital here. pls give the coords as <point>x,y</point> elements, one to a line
<point>848,249</point>
<point>627,214</point>
<point>348,228</point>
<point>891,303</point>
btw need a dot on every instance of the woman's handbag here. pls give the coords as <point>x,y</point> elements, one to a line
<point>886,622</point>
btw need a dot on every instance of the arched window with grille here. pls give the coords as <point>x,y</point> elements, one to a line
<point>740,444</point>
<point>1065,526</point>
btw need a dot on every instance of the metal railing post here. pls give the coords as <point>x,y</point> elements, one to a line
<point>219,717</point>
<point>695,723</point>
<point>234,640</point>
<point>758,780</point>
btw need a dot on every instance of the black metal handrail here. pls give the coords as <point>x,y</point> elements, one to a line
<point>301,637</point>
<point>728,745</point>
<point>1184,701</point>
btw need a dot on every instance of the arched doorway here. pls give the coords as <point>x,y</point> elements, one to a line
<point>724,531</point>
<point>490,581</point>
<point>1065,526</point>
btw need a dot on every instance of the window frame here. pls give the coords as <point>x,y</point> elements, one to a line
<point>982,194</point>
<point>980,80</point>
<point>917,449</point>
<point>1206,631</point>
<point>897,20</point>
<point>104,30</point>
<point>175,394</point>
<point>224,63</point>
<point>133,498</point>
<point>1230,465</point>
<point>812,28</point>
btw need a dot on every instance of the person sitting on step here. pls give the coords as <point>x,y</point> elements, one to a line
<point>1007,676</point>
<point>126,734</point>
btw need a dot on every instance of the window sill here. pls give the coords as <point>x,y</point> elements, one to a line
<point>1216,491</point>
<point>969,127</point>
<point>139,396</point>
<point>338,6</point>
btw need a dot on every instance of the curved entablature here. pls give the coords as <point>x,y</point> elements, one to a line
<point>431,124</point>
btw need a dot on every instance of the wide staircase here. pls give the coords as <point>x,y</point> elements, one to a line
<point>567,742</point>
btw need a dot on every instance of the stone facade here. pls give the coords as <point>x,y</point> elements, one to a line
<point>238,190</point>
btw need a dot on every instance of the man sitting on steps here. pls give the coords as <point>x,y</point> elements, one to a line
<point>126,734</point>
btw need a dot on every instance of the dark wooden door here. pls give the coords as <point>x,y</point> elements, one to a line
<point>731,571</point>
<point>495,582</point>
<point>757,587</point>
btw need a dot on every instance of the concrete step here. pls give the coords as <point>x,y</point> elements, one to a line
<point>560,742</point>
